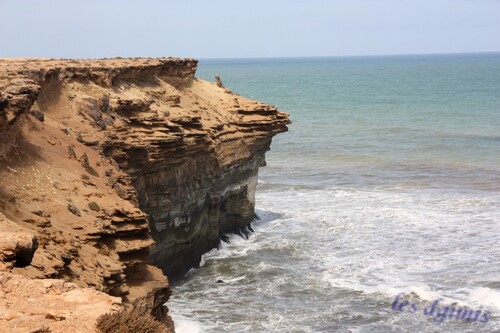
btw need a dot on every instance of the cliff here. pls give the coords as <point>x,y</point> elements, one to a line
<point>111,168</point>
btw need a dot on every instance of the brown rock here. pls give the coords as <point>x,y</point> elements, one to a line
<point>73,209</point>
<point>87,166</point>
<point>38,115</point>
<point>17,248</point>
<point>71,152</point>
<point>94,206</point>
<point>120,191</point>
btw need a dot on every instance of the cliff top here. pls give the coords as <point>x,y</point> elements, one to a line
<point>12,64</point>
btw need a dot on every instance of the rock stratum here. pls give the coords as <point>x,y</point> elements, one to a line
<point>116,173</point>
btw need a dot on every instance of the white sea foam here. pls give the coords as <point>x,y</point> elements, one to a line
<point>361,202</point>
<point>395,242</point>
<point>485,296</point>
<point>185,325</point>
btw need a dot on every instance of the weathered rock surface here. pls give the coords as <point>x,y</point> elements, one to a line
<point>111,164</point>
<point>50,305</point>
<point>16,249</point>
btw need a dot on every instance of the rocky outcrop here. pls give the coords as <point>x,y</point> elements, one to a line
<point>113,165</point>
<point>195,170</point>
<point>16,249</point>
<point>50,305</point>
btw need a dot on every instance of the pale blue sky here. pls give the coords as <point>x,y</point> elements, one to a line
<point>253,28</point>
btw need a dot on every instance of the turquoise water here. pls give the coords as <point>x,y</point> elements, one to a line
<point>388,181</point>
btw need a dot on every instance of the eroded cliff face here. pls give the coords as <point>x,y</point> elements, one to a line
<point>193,156</point>
<point>113,165</point>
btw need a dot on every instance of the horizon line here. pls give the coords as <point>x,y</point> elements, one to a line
<point>351,55</point>
<point>263,57</point>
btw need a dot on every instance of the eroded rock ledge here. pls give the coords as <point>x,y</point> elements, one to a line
<point>109,166</point>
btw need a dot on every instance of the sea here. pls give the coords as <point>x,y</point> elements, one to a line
<point>379,209</point>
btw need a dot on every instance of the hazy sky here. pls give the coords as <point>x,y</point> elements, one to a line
<point>252,28</point>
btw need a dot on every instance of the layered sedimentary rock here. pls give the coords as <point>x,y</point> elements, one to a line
<point>110,165</point>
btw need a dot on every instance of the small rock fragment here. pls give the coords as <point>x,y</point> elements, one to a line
<point>86,181</point>
<point>111,181</point>
<point>52,141</point>
<point>72,208</point>
<point>71,152</point>
<point>87,166</point>
<point>59,186</point>
<point>94,206</point>
<point>120,191</point>
<point>38,212</point>
<point>38,115</point>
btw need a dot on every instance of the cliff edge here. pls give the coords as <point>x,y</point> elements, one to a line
<point>112,168</point>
